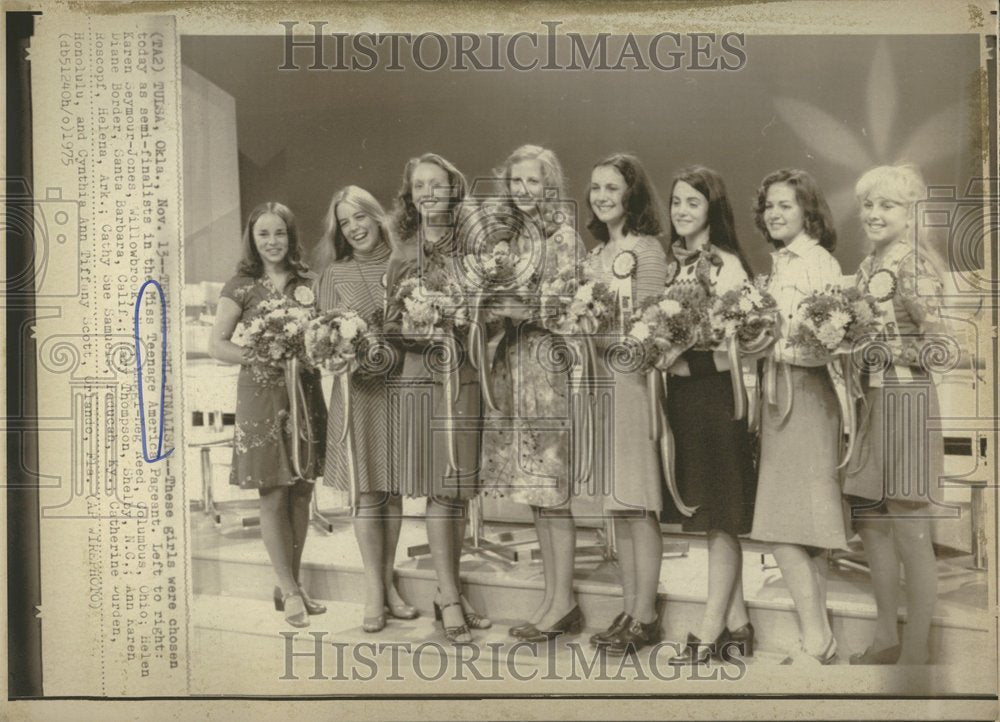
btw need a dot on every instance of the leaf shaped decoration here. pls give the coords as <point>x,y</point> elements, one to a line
<point>881,102</point>
<point>936,138</point>
<point>826,136</point>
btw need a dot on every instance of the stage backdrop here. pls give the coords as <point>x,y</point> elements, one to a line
<point>833,106</point>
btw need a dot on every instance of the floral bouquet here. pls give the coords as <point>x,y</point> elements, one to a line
<point>335,340</point>
<point>275,333</point>
<point>573,302</point>
<point>433,305</point>
<point>748,315</point>
<point>835,320</point>
<point>666,327</point>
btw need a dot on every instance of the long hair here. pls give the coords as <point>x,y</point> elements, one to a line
<point>251,263</point>
<point>333,238</point>
<point>406,217</point>
<point>815,211</point>
<point>721,226</point>
<point>642,207</point>
<point>553,181</point>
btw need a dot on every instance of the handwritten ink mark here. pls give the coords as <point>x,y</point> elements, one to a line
<point>163,372</point>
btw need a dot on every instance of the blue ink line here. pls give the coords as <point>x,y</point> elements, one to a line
<point>163,372</point>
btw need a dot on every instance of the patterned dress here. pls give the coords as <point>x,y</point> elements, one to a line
<point>262,451</point>
<point>714,457</point>
<point>356,284</point>
<point>526,442</point>
<point>898,456</point>
<point>419,414</point>
<point>626,467</point>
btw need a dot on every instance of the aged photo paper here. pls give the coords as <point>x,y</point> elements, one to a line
<point>197,515</point>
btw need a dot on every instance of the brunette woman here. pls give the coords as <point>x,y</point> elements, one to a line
<point>262,459</point>
<point>357,233</point>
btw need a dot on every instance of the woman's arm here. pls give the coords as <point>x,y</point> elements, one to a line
<point>227,315</point>
<point>920,290</point>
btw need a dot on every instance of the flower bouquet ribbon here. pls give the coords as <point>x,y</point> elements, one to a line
<point>298,412</point>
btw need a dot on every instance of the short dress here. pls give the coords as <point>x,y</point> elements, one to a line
<point>713,459</point>
<point>418,404</point>
<point>356,284</point>
<point>526,442</point>
<point>262,451</point>
<point>627,470</point>
<point>897,456</point>
<point>799,498</point>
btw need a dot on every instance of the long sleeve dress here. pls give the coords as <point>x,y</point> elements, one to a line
<point>356,284</point>
<point>798,490</point>
<point>898,457</point>
<point>526,442</point>
<point>262,442</point>
<point>626,464</point>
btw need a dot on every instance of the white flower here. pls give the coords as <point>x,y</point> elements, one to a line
<point>745,305</point>
<point>752,294</point>
<point>349,328</point>
<point>501,249</point>
<point>669,306</point>
<point>839,319</point>
<point>304,295</point>
<point>640,331</point>
<point>291,328</point>
<point>830,335</point>
<point>585,293</point>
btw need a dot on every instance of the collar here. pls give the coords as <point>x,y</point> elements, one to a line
<point>379,253</point>
<point>799,246</point>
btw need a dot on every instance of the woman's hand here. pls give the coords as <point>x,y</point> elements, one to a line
<point>513,309</point>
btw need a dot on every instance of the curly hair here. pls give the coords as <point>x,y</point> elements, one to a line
<point>251,264</point>
<point>406,217</point>
<point>818,219</point>
<point>642,207</point>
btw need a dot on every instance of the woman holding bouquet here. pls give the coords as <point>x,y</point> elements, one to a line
<point>524,457</point>
<point>799,507</point>
<point>263,459</point>
<point>439,464</point>
<point>357,233</point>
<point>890,506</point>
<point>629,259</point>
<point>714,459</point>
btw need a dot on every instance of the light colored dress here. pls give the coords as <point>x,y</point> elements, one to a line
<point>626,464</point>
<point>263,433</point>
<point>526,442</point>
<point>356,284</point>
<point>799,497</point>
<point>898,457</point>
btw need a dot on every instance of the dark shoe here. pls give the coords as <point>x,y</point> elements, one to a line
<point>455,635</point>
<point>521,630</point>
<point>373,624</point>
<point>740,642</point>
<point>636,636</point>
<point>697,652</point>
<point>620,623</point>
<point>570,624</point>
<point>312,607</point>
<point>889,655</point>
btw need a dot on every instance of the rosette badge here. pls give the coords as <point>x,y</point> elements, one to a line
<point>882,285</point>
<point>624,264</point>
<point>304,296</point>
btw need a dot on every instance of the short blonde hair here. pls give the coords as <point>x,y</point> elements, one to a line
<point>902,183</point>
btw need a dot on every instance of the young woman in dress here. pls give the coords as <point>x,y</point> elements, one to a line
<point>714,457</point>
<point>625,221</point>
<point>890,504</point>
<point>271,268</point>
<point>799,507</point>
<point>357,233</point>
<point>524,458</point>
<point>428,211</point>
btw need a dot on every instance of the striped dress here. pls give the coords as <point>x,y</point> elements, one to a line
<point>626,463</point>
<point>357,284</point>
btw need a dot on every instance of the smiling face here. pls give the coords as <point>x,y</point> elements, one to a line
<point>360,229</point>
<point>688,211</point>
<point>527,186</point>
<point>783,215</point>
<point>270,237</point>
<point>883,219</point>
<point>429,188</point>
<point>607,194</point>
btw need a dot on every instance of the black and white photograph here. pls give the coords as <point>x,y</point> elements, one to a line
<point>504,356</point>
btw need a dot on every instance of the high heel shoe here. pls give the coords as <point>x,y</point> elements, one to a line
<point>455,635</point>
<point>286,603</point>
<point>698,652</point>
<point>521,630</point>
<point>889,655</point>
<point>312,607</point>
<point>571,623</point>
<point>740,642</point>
<point>633,638</point>
<point>473,619</point>
<point>618,624</point>
<point>827,656</point>
<point>373,624</point>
